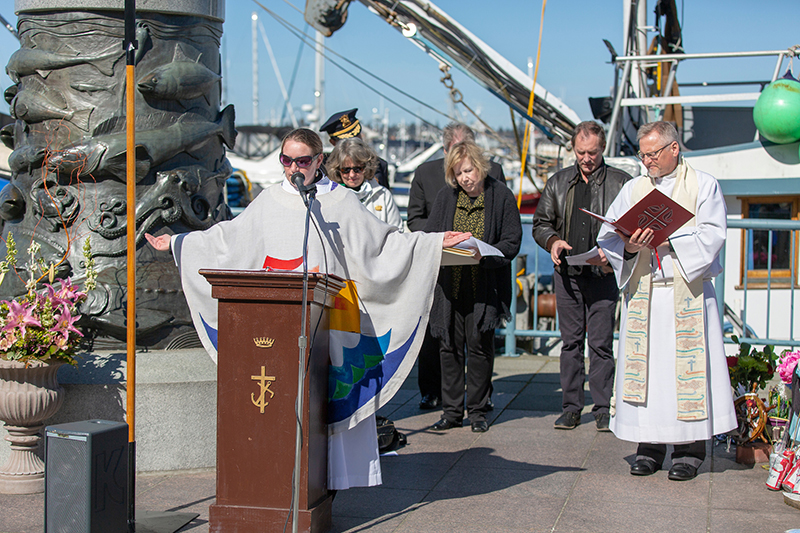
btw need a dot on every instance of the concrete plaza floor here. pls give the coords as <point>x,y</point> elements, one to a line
<point>522,475</point>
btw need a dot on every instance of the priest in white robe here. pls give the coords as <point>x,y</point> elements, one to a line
<point>672,384</point>
<point>385,306</point>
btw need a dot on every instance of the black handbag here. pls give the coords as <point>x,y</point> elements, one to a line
<point>389,439</point>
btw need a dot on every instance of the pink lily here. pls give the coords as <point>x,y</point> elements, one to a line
<point>55,299</point>
<point>65,323</point>
<point>20,316</point>
<point>69,291</point>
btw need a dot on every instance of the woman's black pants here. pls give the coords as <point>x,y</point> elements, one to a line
<point>479,348</point>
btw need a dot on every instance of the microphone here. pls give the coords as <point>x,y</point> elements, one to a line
<point>305,190</point>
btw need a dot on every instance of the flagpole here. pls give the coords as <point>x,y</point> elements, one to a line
<point>130,118</point>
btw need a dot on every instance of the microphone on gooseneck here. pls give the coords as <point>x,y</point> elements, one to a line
<point>305,190</point>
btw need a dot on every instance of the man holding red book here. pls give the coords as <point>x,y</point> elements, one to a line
<point>672,384</point>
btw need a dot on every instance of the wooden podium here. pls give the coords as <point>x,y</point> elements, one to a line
<point>259,326</point>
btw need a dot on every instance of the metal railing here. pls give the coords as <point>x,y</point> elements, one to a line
<point>749,225</point>
<point>512,334</point>
<point>654,106</point>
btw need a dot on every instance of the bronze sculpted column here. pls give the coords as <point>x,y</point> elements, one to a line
<point>68,162</point>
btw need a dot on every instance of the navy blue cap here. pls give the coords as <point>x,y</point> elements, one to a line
<point>342,125</point>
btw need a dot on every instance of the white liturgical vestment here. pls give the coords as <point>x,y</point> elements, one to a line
<point>696,255</point>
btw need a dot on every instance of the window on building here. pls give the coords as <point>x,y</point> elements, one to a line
<point>763,250</point>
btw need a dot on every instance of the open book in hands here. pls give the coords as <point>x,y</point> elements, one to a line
<point>656,211</point>
<point>466,252</point>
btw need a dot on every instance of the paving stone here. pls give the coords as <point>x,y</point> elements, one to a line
<point>522,475</point>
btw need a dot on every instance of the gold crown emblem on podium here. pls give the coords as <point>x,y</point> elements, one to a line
<point>263,342</point>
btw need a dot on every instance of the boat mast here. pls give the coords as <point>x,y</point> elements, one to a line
<point>319,83</point>
<point>254,18</point>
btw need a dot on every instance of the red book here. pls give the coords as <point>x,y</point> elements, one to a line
<point>656,211</point>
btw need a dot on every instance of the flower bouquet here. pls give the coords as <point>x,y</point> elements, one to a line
<point>40,326</point>
<point>780,398</point>
<point>787,364</point>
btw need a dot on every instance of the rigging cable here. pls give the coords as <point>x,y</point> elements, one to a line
<point>460,46</point>
<point>303,37</point>
<point>487,65</point>
<point>457,98</point>
<point>294,75</point>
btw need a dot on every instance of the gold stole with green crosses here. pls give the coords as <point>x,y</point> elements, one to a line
<point>690,345</point>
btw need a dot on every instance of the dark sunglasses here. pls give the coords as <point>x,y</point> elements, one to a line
<point>344,171</point>
<point>302,161</point>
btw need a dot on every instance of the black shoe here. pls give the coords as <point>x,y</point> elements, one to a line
<point>445,424</point>
<point>644,467</point>
<point>481,426</point>
<point>429,402</point>
<point>682,472</point>
<point>568,420</point>
<point>602,421</point>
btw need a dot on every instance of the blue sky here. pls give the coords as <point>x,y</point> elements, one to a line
<point>574,60</point>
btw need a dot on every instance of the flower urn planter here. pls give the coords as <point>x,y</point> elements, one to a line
<point>28,396</point>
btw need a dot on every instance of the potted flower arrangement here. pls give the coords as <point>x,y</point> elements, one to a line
<point>750,371</point>
<point>38,334</point>
<point>780,400</point>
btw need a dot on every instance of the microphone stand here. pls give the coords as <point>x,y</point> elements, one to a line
<point>308,194</point>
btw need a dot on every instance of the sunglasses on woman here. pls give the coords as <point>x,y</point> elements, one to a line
<point>344,171</point>
<point>303,161</point>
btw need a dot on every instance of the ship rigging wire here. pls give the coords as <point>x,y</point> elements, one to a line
<point>308,41</point>
<point>455,94</point>
<point>460,46</point>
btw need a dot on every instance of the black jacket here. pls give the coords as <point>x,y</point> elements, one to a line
<point>428,181</point>
<point>552,217</point>
<point>503,230</point>
<point>382,173</point>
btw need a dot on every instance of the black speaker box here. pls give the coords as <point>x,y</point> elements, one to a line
<point>86,477</point>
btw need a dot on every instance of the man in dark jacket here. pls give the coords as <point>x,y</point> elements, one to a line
<point>428,181</point>
<point>586,296</point>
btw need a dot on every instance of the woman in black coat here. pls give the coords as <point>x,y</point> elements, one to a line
<point>470,301</point>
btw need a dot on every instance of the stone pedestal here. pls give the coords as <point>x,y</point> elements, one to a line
<point>28,396</point>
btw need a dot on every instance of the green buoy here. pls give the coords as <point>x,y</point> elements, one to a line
<point>777,111</point>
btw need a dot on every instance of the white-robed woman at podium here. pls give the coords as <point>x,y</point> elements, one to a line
<point>392,276</point>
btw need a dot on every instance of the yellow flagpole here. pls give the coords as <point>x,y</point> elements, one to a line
<point>130,119</point>
<point>526,138</point>
<point>131,257</point>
